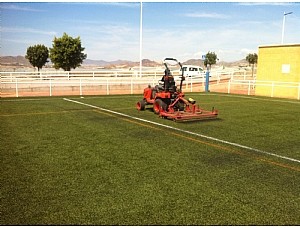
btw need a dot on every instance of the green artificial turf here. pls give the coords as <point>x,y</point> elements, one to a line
<point>68,164</point>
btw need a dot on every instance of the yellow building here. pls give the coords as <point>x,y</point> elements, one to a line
<point>278,71</point>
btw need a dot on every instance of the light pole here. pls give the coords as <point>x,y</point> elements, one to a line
<point>284,14</point>
<point>141,38</point>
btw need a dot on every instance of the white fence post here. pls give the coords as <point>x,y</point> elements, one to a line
<point>107,87</point>
<point>249,87</point>
<point>17,92</point>
<point>80,87</point>
<point>50,87</point>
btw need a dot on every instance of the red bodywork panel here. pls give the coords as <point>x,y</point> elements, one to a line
<point>148,93</point>
<point>150,99</point>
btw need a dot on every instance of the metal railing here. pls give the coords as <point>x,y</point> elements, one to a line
<point>56,83</point>
<point>10,76</point>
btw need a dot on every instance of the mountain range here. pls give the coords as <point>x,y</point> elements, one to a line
<point>21,61</point>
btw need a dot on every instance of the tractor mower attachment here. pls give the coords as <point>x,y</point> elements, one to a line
<point>189,111</point>
<point>169,102</point>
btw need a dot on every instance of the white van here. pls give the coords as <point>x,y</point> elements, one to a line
<point>192,70</point>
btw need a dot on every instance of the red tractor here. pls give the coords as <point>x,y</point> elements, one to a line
<point>168,101</point>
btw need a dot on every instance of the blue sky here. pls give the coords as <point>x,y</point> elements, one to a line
<point>111,30</point>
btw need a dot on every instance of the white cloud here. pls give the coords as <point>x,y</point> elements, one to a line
<point>17,41</point>
<point>266,3</point>
<point>230,44</point>
<point>207,15</point>
<point>107,39</point>
<point>199,54</point>
<point>18,8</point>
<point>26,30</point>
<point>247,51</point>
<point>122,4</point>
<point>110,42</point>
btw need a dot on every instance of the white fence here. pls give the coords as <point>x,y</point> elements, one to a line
<point>54,83</point>
<point>6,76</point>
<point>10,76</point>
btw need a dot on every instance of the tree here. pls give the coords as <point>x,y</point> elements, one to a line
<point>210,59</point>
<point>67,52</point>
<point>252,60</point>
<point>37,55</point>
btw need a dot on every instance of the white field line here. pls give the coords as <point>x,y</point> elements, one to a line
<point>187,132</point>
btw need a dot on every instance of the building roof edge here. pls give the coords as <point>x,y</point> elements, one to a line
<point>279,45</point>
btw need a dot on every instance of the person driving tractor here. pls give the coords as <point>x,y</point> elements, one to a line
<point>168,80</point>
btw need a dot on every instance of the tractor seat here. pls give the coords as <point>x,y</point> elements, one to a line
<point>160,86</point>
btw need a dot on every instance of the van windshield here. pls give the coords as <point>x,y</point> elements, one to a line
<point>193,69</point>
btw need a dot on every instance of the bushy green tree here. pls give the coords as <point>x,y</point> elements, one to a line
<point>67,52</point>
<point>37,55</point>
<point>252,60</point>
<point>210,59</point>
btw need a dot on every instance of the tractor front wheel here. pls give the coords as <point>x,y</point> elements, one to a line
<point>141,105</point>
<point>158,105</point>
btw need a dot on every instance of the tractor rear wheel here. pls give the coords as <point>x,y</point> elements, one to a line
<point>158,105</point>
<point>141,105</point>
